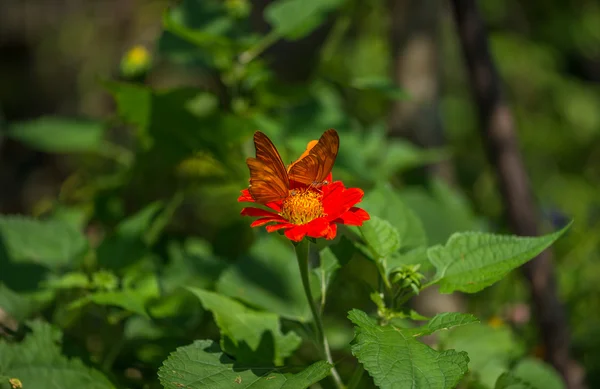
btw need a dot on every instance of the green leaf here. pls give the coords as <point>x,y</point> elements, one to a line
<point>294,19</point>
<point>381,237</point>
<point>490,349</point>
<point>442,210</point>
<point>268,278</point>
<point>58,135</point>
<point>509,381</point>
<point>443,321</point>
<point>202,365</point>
<point>21,306</point>
<point>538,374</point>
<point>249,335</point>
<point>133,297</point>
<point>38,363</point>
<point>472,261</point>
<point>395,359</point>
<point>50,243</point>
<point>327,268</point>
<point>211,41</point>
<point>385,202</point>
<point>127,244</point>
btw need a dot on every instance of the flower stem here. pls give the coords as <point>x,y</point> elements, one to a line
<point>302,252</point>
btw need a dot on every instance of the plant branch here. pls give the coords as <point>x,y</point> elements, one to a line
<point>302,253</point>
<point>499,134</point>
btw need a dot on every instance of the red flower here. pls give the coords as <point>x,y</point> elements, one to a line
<point>310,211</point>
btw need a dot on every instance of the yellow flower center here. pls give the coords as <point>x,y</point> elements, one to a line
<point>302,207</point>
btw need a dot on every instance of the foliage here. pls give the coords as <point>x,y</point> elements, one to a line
<point>145,245</point>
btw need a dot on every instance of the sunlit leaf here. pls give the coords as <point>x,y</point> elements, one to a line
<point>50,243</point>
<point>269,279</point>
<point>37,362</point>
<point>294,19</point>
<point>249,335</point>
<point>472,261</point>
<point>538,374</point>
<point>381,237</point>
<point>59,135</point>
<point>509,381</point>
<point>385,202</point>
<point>490,349</point>
<point>395,359</point>
<point>202,364</point>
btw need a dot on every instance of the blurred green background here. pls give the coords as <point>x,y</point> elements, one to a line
<point>117,112</point>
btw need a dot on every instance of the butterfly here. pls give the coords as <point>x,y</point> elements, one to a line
<point>269,178</point>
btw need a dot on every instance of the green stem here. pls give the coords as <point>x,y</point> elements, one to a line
<point>267,40</point>
<point>302,252</point>
<point>356,377</point>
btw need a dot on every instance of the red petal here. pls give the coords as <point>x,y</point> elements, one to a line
<point>275,206</point>
<point>354,217</point>
<point>251,211</point>
<point>318,228</point>
<point>276,227</point>
<point>296,233</point>
<point>264,220</point>
<point>340,200</point>
<point>332,232</point>
<point>245,196</point>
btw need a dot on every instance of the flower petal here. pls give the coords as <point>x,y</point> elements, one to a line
<point>280,226</point>
<point>245,196</point>
<point>340,200</point>
<point>332,232</point>
<point>318,228</point>
<point>296,233</point>
<point>252,211</point>
<point>264,220</point>
<point>353,217</point>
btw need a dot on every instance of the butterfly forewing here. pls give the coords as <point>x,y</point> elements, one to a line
<point>268,177</point>
<point>314,168</point>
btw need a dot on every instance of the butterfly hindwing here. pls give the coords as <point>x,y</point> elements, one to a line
<point>317,165</point>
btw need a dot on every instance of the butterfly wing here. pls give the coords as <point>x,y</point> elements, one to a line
<point>315,167</point>
<point>268,176</point>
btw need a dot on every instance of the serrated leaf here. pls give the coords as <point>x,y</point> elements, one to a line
<point>538,374</point>
<point>58,135</point>
<point>294,19</point>
<point>202,365</point>
<point>249,335</point>
<point>443,321</point>
<point>472,261</point>
<point>395,359</point>
<point>381,237</point>
<point>269,279</point>
<point>50,243</point>
<point>385,203</point>
<point>509,381</point>
<point>38,363</point>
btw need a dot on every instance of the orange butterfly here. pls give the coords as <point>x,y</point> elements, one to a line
<point>269,179</point>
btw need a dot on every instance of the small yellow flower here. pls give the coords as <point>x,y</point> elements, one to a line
<point>495,322</point>
<point>15,383</point>
<point>138,55</point>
